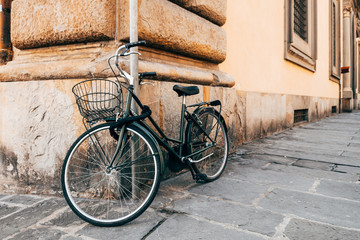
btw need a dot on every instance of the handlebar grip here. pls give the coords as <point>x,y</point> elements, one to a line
<point>135,44</point>
<point>147,74</point>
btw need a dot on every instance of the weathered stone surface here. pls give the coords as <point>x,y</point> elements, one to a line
<point>305,230</point>
<point>270,178</point>
<point>39,128</point>
<point>43,23</point>
<point>187,228</point>
<point>340,189</point>
<point>246,218</point>
<point>168,26</point>
<point>22,199</point>
<point>213,10</point>
<point>40,233</point>
<point>90,60</point>
<point>234,190</point>
<point>6,210</point>
<point>64,219</point>
<point>319,208</point>
<point>136,229</point>
<point>22,219</point>
<point>264,114</point>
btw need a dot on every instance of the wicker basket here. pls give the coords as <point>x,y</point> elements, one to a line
<point>98,99</point>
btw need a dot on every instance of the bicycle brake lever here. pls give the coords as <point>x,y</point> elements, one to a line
<point>133,52</point>
<point>150,83</point>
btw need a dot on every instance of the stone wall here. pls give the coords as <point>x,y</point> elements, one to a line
<point>165,25</point>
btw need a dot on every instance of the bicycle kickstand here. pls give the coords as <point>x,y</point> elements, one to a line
<point>197,176</point>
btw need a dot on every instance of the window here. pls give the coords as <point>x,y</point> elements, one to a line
<point>300,32</point>
<point>334,39</point>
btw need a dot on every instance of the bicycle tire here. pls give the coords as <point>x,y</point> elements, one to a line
<point>111,197</point>
<point>216,157</point>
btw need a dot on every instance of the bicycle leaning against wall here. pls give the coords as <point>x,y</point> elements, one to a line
<point>112,172</point>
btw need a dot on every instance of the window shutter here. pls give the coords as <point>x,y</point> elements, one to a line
<point>301,19</point>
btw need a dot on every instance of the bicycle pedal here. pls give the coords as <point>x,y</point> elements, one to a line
<point>200,178</point>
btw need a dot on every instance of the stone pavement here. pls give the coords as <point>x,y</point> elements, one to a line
<point>301,183</point>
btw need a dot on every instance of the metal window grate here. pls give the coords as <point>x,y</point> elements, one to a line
<point>333,109</point>
<point>301,115</point>
<point>301,18</point>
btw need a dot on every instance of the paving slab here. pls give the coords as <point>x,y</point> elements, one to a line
<point>29,216</point>
<point>247,218</point>
<point>66,218</point>
<point>22,199</point>
<point>270,178</point>
<point>346,190</point>
<point>306,155</point>
<point>183,227</point>
<point>348,169</point>
<point>39,233</point>
<point>259,160</point>
<point>6,210</point>
<point>307,230</point>
<point>326,166</point>
<point>314,207</point>
<point>136,229</point>
<point>230,189</point>
<point>313,173</point>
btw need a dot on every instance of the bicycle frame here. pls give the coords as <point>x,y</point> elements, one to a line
<point>161,138</point>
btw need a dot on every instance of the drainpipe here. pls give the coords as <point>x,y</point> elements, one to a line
<point>347,93</point>
<point>5,42</point>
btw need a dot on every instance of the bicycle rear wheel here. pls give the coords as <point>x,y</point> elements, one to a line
<point>111,196</point>
<point>214,158</point>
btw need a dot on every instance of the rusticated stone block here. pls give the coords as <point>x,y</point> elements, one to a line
<point>168,26</point>
<point>52,22</point>
<point>213,10</point>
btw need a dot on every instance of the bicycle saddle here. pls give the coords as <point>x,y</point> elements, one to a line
<point>186,91</point>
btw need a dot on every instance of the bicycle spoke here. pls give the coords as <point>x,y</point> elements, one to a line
<point>113,195</point>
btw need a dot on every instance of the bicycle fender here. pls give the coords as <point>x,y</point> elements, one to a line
<point>197,111</point>
<point>162,162</point>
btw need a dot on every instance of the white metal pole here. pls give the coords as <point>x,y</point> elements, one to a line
<point>134,64</point>
<point>134,71</point>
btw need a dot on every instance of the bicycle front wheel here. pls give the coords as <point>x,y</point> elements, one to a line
<point>212,161</point>
<point>106,195</point>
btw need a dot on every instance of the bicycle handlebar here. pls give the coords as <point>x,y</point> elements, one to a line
<point>123,51</point>
<point>147,74</point>
<point>135,44</point>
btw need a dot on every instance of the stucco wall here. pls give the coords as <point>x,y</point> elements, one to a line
<point>274,87</point>
<point>255,51</point>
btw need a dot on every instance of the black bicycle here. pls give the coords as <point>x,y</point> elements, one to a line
<point>112,172</point>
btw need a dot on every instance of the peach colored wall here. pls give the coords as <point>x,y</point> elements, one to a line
<point>255,51</point>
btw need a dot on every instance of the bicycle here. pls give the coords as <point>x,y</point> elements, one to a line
<point>112,172</point>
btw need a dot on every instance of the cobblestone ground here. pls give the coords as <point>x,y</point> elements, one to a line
<point>301,183</point>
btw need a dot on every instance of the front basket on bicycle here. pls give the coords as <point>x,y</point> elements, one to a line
<point>98,99</point>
